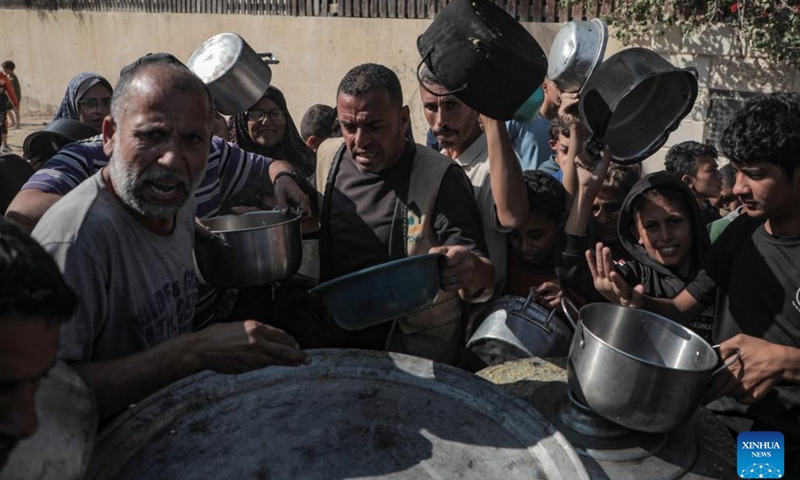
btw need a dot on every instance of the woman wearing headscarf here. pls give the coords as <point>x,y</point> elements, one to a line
<point>267,129</point>
<point>87,99</point>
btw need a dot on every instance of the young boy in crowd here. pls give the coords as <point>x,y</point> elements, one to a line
<point>530,256</point>
<point>558,132</point>
<point>695,164</point>
<point>317,125</point>
<point>728,203</point>
<point>751,273</point>
<point>8,69</point>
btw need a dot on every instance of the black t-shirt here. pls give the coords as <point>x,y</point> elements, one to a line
<point>755,280</point>
<point>14,172</point>
<point>363,206</point>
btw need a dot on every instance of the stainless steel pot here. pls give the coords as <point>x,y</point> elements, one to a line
<point>514,328</point>
<point>639,369</point>
<point>262,247</point>
<point>575,53</point>
<point>236,75</point>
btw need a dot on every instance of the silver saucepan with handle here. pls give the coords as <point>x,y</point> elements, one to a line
<point>236,75</point>
<point>638,369</point>
<point>514,328</point>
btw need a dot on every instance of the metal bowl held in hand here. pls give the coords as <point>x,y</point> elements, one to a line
<point>381,293</point>
<point>514,328</point>
<point>576,52</point>
<point>638,369</point>
<point>634,100</point>
<point>483,56</point>
<point>262,247</point>
<point>236,75</point>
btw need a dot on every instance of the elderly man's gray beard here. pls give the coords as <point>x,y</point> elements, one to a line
<point>130,187</point>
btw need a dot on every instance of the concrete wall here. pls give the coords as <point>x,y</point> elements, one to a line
<point>51,47</point>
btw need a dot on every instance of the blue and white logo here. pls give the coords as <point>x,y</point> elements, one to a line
<point>760,455</point>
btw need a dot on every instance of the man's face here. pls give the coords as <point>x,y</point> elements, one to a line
<point>708,181</point>
<point>373,129</point>
<point>765,190</point>
<point>27,351</point>
<point>605,208</point>
<point>159,148</point>
<point>561,147</point>
<point>454,124</point>
<point>536,238</point>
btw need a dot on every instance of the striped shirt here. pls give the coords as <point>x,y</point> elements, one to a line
<point>230,172</point>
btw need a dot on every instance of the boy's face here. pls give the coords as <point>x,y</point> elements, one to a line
<point>765,190</point>
<point>561,147</point>
<point>535,238</point>
<point>605,208</point>
<point>708,181</point>
<point>665,231</point>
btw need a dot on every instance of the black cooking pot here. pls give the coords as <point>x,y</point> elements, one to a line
<point>483,56</point>
<point>634,100</point>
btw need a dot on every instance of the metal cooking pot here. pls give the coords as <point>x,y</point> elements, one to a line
<point>382,293</point>
<point>236,75</point>
<point>483,56</point>
<point>639,369</point>
<point>514,328</point>
<point>576,52</point>
<point>634,100</point>
<point>262,247</point>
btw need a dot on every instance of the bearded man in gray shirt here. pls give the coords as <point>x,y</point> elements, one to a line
<point>123,240</point>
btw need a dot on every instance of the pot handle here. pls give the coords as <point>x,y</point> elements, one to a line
<point>730,361</point>
<point>544,325</point>
<point>269,58</point>
<point>566,302</point>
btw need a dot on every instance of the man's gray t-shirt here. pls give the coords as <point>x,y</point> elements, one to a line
<point>136,288</point>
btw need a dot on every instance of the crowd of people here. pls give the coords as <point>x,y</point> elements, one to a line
<point>96,264</point>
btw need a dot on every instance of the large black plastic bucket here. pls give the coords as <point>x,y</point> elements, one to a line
<point>483,56</point>
<point>634,100</point>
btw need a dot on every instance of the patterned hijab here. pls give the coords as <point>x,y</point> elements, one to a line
<point>77,88</point>
<point>291,147</point>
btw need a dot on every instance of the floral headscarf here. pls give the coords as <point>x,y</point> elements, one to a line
<point>77,88</point>
<point>291,147</point>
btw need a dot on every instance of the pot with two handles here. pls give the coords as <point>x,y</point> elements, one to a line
<point>638,369</point>
<point>236,75</point>
<point>514,328</point>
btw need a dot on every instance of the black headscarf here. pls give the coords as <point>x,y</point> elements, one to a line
<point>77,88</point>
<point>291,147</point>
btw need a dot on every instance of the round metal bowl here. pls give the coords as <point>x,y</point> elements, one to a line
<point>350,414</point>
<point>576,51</point>
<point>262,247</point>
<point>381,293</point>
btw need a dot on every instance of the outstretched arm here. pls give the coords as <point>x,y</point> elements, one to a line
<point>223,348</point>
<point>505,173</point>
<point>682,308</point>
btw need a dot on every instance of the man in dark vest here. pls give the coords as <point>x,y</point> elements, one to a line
<point>382,198</point>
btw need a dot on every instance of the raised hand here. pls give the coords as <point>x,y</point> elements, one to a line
<point>608,282</point>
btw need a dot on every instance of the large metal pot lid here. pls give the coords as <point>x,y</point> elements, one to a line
<point>350,414</point>
<point>62,445</point>
<point>216,56</point>
<point>576,52</point>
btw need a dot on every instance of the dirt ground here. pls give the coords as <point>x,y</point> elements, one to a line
<point>31,122</point>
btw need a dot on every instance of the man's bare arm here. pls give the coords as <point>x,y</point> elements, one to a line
<point>28,207</point>
<point>223,348</point>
